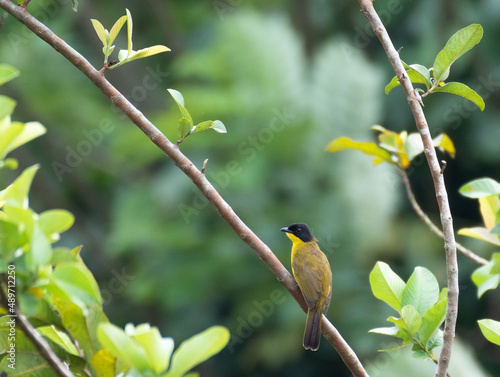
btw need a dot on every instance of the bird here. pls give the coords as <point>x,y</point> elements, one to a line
<point>313,274</point>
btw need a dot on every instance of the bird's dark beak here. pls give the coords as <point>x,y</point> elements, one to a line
<point>285,229</point>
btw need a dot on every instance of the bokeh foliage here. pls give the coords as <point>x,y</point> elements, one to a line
<point>285,78</point>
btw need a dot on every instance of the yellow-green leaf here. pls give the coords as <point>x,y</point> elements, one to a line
<point>444,143</point>
<point>480,233</point>
<point>100,30</point>
<point>116,29</point>
<point>489,206</point>
<point>368,148</point>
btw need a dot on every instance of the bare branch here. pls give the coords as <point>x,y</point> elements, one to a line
<point>38,341</point>
<point>409,192</point>
<point>198,178</point>
<point>439,185</point>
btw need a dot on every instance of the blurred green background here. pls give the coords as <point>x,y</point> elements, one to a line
<point>285,77</point>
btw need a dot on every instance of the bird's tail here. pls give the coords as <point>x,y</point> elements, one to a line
<point>312,333</point>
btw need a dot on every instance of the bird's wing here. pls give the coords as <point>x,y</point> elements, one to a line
<point>309,271</point>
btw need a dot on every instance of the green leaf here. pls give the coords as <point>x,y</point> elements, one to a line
<point>55,221</point>
<point>418,74</point>
<point>40,252</point>
<point>386,285</point>
<point>403,332</point>
<point>16,134</point>
<point>461,42</point>
<point>158,350</point>
<point>480,233</point>
<point>488,276</point>
<point>100,31</point>
<point>129,31</point>
<point>145,52</point>
<point>17,193</point>
<point>390,331</point>
<point>186,122</point>
<point>216,125</point>
<point>421,290</point>
<point>370,149</point>
<point>184,127</point>
<point>480,187</point>
<point>58,337</point>
<point>197,349</point>
<point>412,318</point>
<point>116,29</point>
<point>433,318</point>
<point>74,282</point>
<point>7,106</point>
<point>128,350</point>
<point>82,325</point>
<point>490,330</point>
<point>461,90</point>
<point>7,73</point>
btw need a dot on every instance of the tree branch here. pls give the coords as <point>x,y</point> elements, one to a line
<point>198,178</point>
<point>430,224</point>
<point>38,341</point>
<point>439,185</point>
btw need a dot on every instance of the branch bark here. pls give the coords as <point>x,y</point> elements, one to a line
<point>172,151</point>
<point>38,341</point>
<point>416,207</point>
<point>439,184</point>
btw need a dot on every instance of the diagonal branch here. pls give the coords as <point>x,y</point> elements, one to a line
<point>38,341</point>
<point>430,224</point>
<point>438,179</point>
<point>198,178</point>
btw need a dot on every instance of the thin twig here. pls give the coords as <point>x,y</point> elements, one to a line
<point>439,185</point>
<point>38,341</point>
<point>199,179</point>
<point>409,192</point>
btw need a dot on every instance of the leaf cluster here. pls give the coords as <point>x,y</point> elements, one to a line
<point>419,303</point>
<point>124,56</point>
<point>393,148</point>
<point>59,294</point>
<point>460,42</point>
<point>186,126</point>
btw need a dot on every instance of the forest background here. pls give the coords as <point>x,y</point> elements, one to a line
<point>285,78</point>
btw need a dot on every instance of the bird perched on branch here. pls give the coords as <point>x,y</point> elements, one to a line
<point>312,272</point>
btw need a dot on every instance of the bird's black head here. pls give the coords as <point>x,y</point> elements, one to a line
<point>300,231</point>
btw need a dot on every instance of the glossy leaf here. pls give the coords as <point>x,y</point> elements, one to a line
<point>40,251</point>
<point>490,330</point>
<point>386,285</point>
<point>17,193</point>
<point>82,325</point>
<point>461,90</point>
<point>128,350</point>
<point>149,51</point>
<point>7,73</point>
<point>100,31</point>
<point>59,337</point>
<point>418,74</point>
<point>390,331</point>
<point>55,221</point>
<point>461,42</point>
<point>113,33</point>
<point>371,149</point>
<point>197,349</point>
<point>129,31</point>
<point>433,318</point>
<point>421,290</point>
<point>488,276</point>
<point>7,106</point>
<point>480,233</point>
<point>19,134</point>
<point>158,350</point>
<point>480,187</point>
